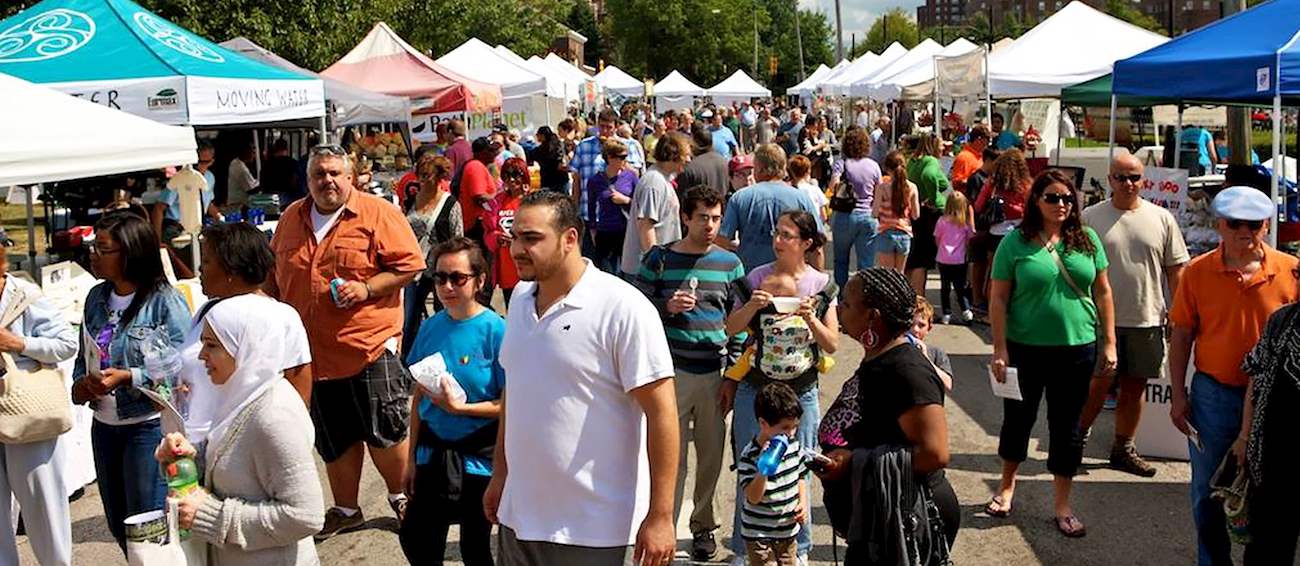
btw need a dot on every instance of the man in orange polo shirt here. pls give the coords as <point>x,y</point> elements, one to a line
<point>1220,307</point>
<point>970,159</point>
<point>361,393</point>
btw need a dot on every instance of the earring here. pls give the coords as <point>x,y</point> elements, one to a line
<point>869,339</point>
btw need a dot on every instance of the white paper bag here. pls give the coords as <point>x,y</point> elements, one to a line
<point>431,373</point>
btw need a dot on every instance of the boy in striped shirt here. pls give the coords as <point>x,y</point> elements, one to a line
<point>692,282</point>
<point>774,505</point>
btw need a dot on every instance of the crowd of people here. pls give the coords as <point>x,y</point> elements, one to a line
<point>665,272</point>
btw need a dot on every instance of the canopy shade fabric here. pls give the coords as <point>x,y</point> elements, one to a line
<point>954,75</point>
<point>1063,50</point>
<point>66,138</point>
<point>809,85</point>
<point>1250,56</point>
<point>861,68</point>
<point>352,105</point>
<point>384,62</point>
<point>676,84</point>
<point>614,79</point>
<point>116,53</point>
<point>480,62</point>
<point>923,55</point>
<point>738,87</point>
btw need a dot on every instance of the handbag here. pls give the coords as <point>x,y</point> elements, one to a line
<point>843,200</point>
<point>34,405</point>
<point>1231,485</point>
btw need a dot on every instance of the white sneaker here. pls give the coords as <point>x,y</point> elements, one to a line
<point>946,319</point>
<point>967,316</point>
<point>803,559</point>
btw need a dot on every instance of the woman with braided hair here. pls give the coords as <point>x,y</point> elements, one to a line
<point>899,402</point>
<point>1053,320</point>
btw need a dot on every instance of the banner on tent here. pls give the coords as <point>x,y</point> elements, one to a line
<point>158,99</point>
<point>236,101</point>
<point>1166,187</point>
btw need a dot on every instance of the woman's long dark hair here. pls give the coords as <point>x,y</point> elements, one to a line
<point>1072,232</point>
<point>551,147</point>
<point>141,260</point>
<point>807,225</point>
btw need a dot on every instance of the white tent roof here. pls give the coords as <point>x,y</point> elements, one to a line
<point>572,89</point>
<point>64,137</point>
<point>890,87</point>
<point>569,69</point>
<point>352,105</point>
<point>617,80</point>
<point>923,52</point>
<point>809,84</point>
<point>862,67</point>
<point>675,84</point>
<point>739,86</point>
<point>1064,50</point>
<point>479,61</point>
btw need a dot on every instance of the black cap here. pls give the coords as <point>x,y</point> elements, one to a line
<point>501,128</point>
<point>484,144</point>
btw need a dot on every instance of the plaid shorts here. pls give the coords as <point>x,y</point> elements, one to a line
<point>372,407</point>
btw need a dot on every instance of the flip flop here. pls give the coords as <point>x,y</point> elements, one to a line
<point>1071,526</point>
<point>997,508</point>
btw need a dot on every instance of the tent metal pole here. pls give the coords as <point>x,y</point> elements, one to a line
<point>31,233</point>
<point>988,88</point>
<point>1178,137</point>
<point>1060,121</point>
<point>257,154</point>
<point>1277,167</point>
<point>893,123</point>
<point>324,130</point>
<point>1110,152</point>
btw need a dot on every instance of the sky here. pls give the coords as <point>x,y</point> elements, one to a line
<point>857,15</point>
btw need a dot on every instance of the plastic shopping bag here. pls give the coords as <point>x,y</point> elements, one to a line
<point>153,539</point>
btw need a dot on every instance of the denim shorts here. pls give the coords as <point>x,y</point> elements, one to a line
<point>894,241</point>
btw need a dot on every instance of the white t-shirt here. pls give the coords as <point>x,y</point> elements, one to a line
<point>810,188</point>
<point>106,406</point>
<point>275,314</point>
<point>576,438</point>
<point>239,181</point>
<point>321,223</point>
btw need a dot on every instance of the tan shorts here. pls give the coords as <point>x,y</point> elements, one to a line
<point>772,551</point>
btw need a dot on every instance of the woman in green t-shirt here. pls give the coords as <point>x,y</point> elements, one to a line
<point>1053,327</point>
<point>932,187</point>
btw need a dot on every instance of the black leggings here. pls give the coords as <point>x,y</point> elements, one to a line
<point>1274,526</point>
<point>424,532</point>
<point>953,278</point>
<point>1063,375</point>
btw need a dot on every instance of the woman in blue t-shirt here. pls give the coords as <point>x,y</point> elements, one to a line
<point>454,429</point>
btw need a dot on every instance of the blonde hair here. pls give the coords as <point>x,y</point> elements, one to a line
<point>924,309</point>
<point>957,210</point>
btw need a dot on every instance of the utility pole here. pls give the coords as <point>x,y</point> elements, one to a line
<point>755,37</point>
<point>839,35</point>
<point>1238,116</point>
<point>853,45</point>
<point>799,36</point>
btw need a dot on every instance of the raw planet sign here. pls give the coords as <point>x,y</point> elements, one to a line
<point>261,98</point>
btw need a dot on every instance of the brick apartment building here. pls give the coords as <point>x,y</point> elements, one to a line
<point>1187,14</point>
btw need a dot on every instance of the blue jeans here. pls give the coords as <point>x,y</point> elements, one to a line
<point>857,231</point>
<point>1216,414</point>
<point>130,480</point>
<point>744,427</point>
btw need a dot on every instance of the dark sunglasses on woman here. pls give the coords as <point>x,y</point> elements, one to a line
<point>1054,198</point>
<point>457,279</point>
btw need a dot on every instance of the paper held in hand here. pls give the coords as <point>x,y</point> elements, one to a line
<point>1009,389</point>
<point>431,373</point>
<point>172,421</point>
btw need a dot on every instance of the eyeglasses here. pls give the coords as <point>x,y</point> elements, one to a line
<point>1253,225</point>
<point>1058,198</point>
<point>457,279</point>
<point>619,157</point>
<point>1126,178</point>
<point>785,236</point>
<point>101,251</point>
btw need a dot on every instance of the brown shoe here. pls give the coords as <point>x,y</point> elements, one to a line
<point>1126,459</point>
<point>336,522</point>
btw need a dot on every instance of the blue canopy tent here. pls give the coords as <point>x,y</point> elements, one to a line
<point>115,53</point>
<point>1252,57</point>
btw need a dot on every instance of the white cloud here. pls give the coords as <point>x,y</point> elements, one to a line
<point>857,15</point>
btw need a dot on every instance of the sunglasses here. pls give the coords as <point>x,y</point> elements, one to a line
<point>1057,198</point>
<point>1127,178</point>
<point>1254,225</point>
<point>457,279</point>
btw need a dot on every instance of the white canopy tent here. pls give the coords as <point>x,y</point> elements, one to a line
<point>738,87</point>
<point>921,72</point>
<point>861,68</point>
<point>479,61</point>
<point>955,75</point>
<point>572,74</point>
<point>809,85</point>
<point>572,89</point>
<point>1065,50</point>
<point>352,105</point>
<point>675,91</point>
<point>924,52</point>
<point>614,79</point>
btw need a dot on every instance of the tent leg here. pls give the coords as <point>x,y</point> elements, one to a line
<point>257,155</point>
<point>1178,137</point>
<point>1060,134</point>
<point>988,89</point>
<point>31,234</point>
<point>893,123</point>
<point>324,132</point>
<point>1110,152</point>
<point>1277,167</point>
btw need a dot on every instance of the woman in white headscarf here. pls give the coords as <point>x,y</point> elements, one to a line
<point>260,499</point>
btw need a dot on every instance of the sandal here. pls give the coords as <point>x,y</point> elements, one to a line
<point>1071,526</point>
<point>997,508</point>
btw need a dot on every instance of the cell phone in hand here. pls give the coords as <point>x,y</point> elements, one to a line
<point>815,462</point>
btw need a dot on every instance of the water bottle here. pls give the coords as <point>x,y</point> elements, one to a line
<point>770,460</point>
<point>182,478</point>
<point>163,362</point>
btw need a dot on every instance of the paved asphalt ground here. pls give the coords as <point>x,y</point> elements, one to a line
<point>1130,520</point>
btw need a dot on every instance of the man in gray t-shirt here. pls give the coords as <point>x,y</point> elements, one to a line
<point>653,218</point>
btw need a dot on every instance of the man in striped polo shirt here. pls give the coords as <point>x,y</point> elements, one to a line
<point>691,282</point>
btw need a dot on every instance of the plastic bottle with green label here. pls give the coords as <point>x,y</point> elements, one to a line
<point>182,478</point>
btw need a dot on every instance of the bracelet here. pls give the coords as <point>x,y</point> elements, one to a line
<point>370,293</point>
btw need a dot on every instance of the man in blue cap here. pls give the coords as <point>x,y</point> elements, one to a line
<point>1220,307</point>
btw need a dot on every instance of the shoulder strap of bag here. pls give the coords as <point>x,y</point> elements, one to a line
<point>437,211</point>
<point>1060,266</point>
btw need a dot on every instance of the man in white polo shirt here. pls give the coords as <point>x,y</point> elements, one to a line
<point>590,417</point>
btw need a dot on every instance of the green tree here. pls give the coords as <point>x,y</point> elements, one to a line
<point>704,39</point>
<point>583,21</point>
<point>1127,11</point>
<point>780,39</point>
<point>894,25</point>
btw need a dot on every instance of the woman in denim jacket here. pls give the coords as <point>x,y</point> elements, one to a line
<point>121,314</point>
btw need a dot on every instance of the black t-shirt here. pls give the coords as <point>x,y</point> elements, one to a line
<point>708,168</point>
<point>553,172</point>
<point>889,386</point>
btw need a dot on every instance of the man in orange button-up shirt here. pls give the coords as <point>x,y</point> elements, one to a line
<point>361,392</point>
<point>1221,305</point>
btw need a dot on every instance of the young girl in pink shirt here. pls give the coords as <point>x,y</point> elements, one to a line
<point>952,233</point>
